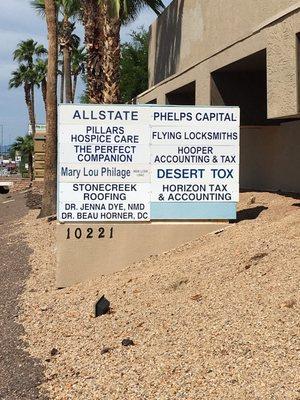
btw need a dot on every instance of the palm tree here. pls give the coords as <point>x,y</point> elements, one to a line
<point>24,144</point>
<point>49,196</point>
<point>27,53</point>
<point>67,39</point>
<point>112,13</point>
<point>119,12</point>
<point>102,21</point>
<point>41,78</point>
<point>60,72</point>
<point>93,38</point>
<point>25,77</point>
<point>68,42</point>
<point>77,67</point>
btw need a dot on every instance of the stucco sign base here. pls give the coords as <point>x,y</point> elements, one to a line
<point>85,251</point>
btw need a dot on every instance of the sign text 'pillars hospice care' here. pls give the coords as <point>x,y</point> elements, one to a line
<point>137,163</point>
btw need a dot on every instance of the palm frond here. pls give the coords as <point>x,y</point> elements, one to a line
<point>127,10</point>
<point>39,6</point>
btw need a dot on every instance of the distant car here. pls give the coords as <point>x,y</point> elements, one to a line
<point>4,189</point>
<point>5,186</point>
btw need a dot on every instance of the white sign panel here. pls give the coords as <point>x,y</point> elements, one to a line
<point>115,161</point>
<point>105,201</point>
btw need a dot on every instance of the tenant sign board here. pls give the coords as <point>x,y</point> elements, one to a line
<point>140,163</point>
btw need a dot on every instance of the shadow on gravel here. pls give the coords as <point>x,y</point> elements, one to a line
<point>292,195</point>
<point>33,200</point>
<point>249,213</point>
<point>296,204</point>
<point>295,196</point>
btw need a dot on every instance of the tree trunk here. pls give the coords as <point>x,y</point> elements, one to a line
<point>111,57</point>
<point>74,87</point>
<point>66,48</point>
<point>93,36</point>
<point>44,92</point>
<point>28,100</point>
<point>67,74</point>
<point>33,111</point>
<point>49,196</point>
<point>30,166</point>
<point>62,83</point>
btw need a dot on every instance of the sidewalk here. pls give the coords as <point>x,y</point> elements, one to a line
<point>20,375</point>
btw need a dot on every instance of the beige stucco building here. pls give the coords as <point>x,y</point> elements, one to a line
<point>236,52</point>
<point>39,152</point>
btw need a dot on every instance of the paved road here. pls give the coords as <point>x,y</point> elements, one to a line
<point>20,374</point>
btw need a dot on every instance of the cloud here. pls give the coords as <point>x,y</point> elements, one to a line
<point>10,39</point>
<point>19,16</point>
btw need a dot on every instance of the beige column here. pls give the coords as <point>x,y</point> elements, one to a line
<point>203,95</point>
<point>161,98</point>
<point>282,69</point>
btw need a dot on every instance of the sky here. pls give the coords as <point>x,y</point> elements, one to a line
<point>18,21</point>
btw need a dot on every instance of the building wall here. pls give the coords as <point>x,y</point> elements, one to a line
<point>177,59</point>
<point>39,157</point>
<point>270,157</point>
<point>190,31</point>
<point>39,151</point>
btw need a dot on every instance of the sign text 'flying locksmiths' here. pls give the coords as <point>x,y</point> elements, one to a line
<point>137,163</point>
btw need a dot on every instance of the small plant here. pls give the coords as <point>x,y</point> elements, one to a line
<point>25,145</point>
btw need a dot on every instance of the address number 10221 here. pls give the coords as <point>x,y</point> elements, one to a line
<point>90,233</point>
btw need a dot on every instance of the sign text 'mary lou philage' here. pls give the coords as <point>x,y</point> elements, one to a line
<point>141,163</point>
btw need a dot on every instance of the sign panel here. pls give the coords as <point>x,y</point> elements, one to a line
<point>117,163</point>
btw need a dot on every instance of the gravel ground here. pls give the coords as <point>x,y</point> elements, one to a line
<point>20,375</point>
<point>218,318</point>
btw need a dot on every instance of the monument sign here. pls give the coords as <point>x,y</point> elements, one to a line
<point>136,180</point>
